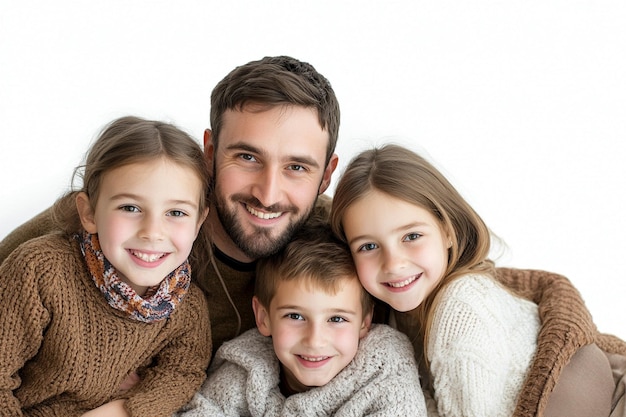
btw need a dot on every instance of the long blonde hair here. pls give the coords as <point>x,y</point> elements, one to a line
<point>405,175</point>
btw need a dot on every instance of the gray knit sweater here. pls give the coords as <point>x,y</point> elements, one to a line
<point>382,380</point>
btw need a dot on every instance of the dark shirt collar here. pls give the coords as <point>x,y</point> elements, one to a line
<point>232,262</point>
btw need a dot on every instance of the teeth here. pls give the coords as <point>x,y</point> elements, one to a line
<point>262,215</point>
<point>402,283</point>
<point>316,359</point>
<point>148,257</point>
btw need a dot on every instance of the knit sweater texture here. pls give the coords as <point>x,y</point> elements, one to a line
<point>566,324</point>
<point>65,351</point>
<point>381,380</point>
<point>482,340</point>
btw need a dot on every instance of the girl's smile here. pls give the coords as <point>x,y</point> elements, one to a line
<point>147,259</point>
<point>404,284</point>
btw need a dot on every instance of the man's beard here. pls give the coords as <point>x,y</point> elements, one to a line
<point>261,242</point>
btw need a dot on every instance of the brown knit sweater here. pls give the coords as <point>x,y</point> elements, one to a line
<point>566,322</point>
<point>65,351</point>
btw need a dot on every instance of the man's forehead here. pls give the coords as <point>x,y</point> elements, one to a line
<point>294,130</point>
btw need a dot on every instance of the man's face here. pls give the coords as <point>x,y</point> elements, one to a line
<point>269,168</point>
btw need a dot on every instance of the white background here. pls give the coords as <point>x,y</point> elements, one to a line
<point>521,103</point>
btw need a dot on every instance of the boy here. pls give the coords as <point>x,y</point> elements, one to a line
<point>313,352</point>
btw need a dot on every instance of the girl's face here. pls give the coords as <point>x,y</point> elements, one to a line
<point>400,249</point>
<point>146,218</point>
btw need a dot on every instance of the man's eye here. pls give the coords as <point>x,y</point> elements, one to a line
<point>367,247</point>
<point>297,167</point>
<point>247,157</point>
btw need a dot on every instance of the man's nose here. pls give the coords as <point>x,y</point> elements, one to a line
<point>268,187</point>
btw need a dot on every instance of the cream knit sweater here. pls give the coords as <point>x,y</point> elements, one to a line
<point>480,348</point>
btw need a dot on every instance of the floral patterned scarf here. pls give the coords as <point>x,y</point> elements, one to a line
<point>159,302</point>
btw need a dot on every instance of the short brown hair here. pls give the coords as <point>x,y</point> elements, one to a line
<point>315,257</point>
<point>277,81</point>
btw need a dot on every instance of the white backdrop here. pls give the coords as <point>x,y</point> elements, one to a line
<point>521,103</point>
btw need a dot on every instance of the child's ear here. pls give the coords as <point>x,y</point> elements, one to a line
<point>261,316</point>
<point>85,211</point>
<point>366,324</point>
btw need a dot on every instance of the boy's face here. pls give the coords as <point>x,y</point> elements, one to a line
<point>315,334</point>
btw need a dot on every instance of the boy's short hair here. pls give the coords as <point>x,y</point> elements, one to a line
<point>315,257</point>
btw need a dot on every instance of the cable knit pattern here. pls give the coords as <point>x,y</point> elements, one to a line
<point>66,351</point>
<point>481,344</point>
<point>382,380</point>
